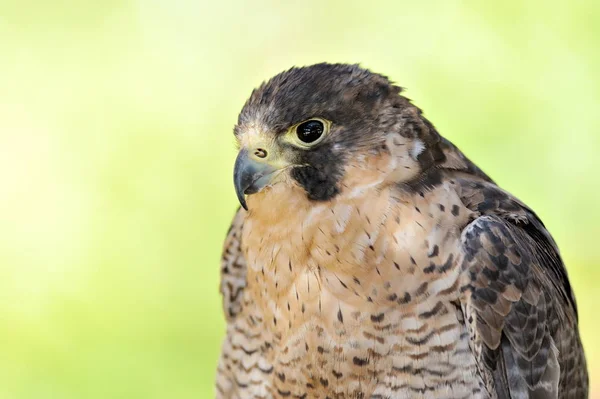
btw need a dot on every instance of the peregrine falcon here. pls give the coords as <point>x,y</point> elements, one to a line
<point>370,258</point>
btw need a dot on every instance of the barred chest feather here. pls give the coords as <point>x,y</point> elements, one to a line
<point>355,298</point>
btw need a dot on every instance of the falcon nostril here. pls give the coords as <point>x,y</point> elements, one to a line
<point>261,153</point>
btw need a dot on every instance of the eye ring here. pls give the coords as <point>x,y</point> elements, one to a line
<point>310,132</point>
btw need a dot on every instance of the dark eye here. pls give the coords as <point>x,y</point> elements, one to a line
<point>310,131</point>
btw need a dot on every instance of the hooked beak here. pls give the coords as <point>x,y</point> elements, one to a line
<point>250,175</point>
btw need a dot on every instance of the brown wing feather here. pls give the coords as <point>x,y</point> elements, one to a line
<point>523,313</point>
<point>233,268</point>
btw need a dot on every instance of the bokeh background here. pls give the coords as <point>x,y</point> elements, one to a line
<point>116,156</point>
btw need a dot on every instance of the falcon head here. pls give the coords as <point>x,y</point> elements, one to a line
<point>318,132</point>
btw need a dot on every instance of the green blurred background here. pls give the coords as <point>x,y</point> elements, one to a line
<point>116,156</point>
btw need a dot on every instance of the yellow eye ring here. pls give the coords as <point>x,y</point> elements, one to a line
<point>309,133</point>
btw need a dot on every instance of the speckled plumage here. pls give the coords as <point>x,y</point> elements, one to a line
<point>382,263</point>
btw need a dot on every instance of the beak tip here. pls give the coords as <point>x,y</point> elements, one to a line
<point>242,200</point>
<point>240,178</point>
<point>249,176</point>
